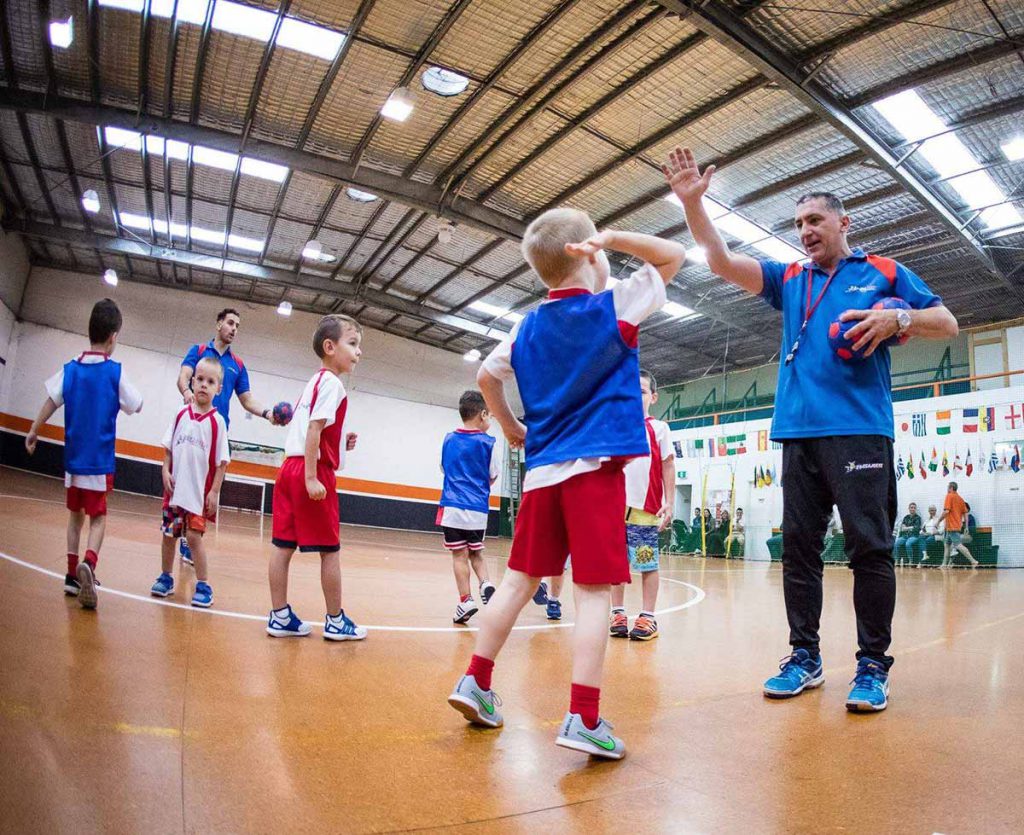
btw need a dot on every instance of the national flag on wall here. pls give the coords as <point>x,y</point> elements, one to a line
<point>735,444</point>
<point>758,477</point>
<point>957,466</point>
<point>933,465</point>
<point>1015,459</point>
<point>970,466</point>
<point>970,420</point>
<point>769,477</point>
<point>923,469</point>
<point>762,440</point>
<point>942,422</point>
<point>900,468</point>
<point>1003,464</point>
<point>910,465</point>
<point>711,447</point>
<point>678,447</point>
<point>776,444</point>
<point>920,425</point>
<point>993,462</point>
<point>723,449</point>
<point>945,464</point>
<point>988,419</point>
<point>903,424</point>
<point>1013,417</point>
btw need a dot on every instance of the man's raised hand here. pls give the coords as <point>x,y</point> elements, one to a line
<point>684,178</point>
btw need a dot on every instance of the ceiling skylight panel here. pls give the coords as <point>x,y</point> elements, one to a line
<point>1014,149</point>
<point>740,227</point>
<point>308,38</point>
<point>123,138</point>
<point>201,155</point>
<point>676,310</point>
<point>779,250</point>
<point>238,19</point>
<point>999,217</point>
<point>265,170</point>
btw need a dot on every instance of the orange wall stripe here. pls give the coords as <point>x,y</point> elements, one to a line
<point>148,452</point>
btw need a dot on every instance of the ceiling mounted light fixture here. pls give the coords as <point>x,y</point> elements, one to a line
<point>444,82</point>
<point>91,201</point>
<point>285,308</point>
<point>398,106</point>
<point>62,32</point>
<point>444,230</point>
<point>110,276</point>
<point>472,355</point>
<point>360,196</point>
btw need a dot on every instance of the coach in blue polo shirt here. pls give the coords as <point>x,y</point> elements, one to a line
<point>236,377</point>
<point>834,419</point>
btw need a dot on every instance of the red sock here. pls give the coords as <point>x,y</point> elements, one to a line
<point>72,563</point>
<point>481,668</point>
<point>92,558</point>
<point>586,702</point>
<point>464,597</point>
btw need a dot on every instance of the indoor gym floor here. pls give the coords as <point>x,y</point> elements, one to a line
<point>148,717</point>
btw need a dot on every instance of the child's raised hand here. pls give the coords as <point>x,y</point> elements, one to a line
<point>588,248</point>
<point>684,178</point>
<point>317,492</point>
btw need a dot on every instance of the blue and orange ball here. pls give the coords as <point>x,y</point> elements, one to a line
<point>283,413</point>
<point>844,348</point>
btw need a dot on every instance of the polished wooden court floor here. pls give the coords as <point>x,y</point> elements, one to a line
<point>142,717</point>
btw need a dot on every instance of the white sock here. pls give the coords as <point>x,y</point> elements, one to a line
<point>552,599</point>
<point>618,610</point>
<point>647,615</point>
<point>283,612</point>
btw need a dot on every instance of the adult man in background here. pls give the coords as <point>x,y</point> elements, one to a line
<point>908,534</point>
<point>834,418</point>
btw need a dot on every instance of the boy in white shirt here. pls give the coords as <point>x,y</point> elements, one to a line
<point>195,458</point>
<point>650,489</point>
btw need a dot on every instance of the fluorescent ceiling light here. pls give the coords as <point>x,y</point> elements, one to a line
<point>110,276</point>
<point>201,155</point>
<point>91,201</point>
<point>740,227</point>
<point>497,312</point>
<point>513,317</point>
<point>198,233</point>
<point>696,255</point>
<point>911,116</point>
<point>360,196</point>
<point>244,21</point>
<point>1014,149</point>
<point>62,32</point>
<point>472,355</point>
<point>676,310</point>
<point>779,250</point>
<point>285,308</point>
<point>398,106</point>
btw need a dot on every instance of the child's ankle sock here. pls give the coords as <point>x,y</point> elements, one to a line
<point>464,597</point>
<point>618,610</point>
<point>92,558</point>
<point>586,701</point>
<point>481,668</point>
<point>72,563</point>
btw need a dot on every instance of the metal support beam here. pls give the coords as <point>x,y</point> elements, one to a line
<point>761,53</point>
<point>422,196</point>
<point>124,247</point>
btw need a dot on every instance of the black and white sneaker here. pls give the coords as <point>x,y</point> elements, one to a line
<point>71,586</point>
<point>464,611</point>
<point>487,592</point>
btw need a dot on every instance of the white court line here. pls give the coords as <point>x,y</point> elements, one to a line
<point>693,601</point>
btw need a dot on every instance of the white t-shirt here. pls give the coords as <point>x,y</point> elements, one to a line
<point>638,471</point>
<point>469,520</point>
<point>635,298</point>
<point>330,394</point>
<point>130,401</point>
<point>189,437</point>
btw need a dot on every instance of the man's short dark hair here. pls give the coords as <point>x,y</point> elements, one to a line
<point>224,314</point>
<point>104,321</point>
<point>953,485</point>
<point>332,327</point>
<point>647,375</point>
<point>471,404</point>
<point>828,198</point>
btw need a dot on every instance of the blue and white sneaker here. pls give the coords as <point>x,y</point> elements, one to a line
<point>284,623</point>
<point>598,742</point>
<point>487,592</point>
<point>797,672</point>
<point>554,609</point>
<point>540,597</point>
<point>870,687</point>
<point>202,596</point>
<point>185,551</point>
<point>341,628</point>
<point>164,586</point>
<point>478,706</point>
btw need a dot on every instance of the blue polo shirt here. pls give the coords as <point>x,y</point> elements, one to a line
<point>236,377</point>
<point>818,393</point>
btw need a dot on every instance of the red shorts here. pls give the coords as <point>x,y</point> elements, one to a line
<point>300,522</point>
<point>93,502</point>
<point>583,516</point>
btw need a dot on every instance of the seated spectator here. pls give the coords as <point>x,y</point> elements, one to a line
<point>908,534</point>
<point>970,526</point>
<point>932,529</point>
<point>737,534</point>
<point>716,537</point>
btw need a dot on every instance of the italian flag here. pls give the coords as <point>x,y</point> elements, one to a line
<point>942,422</point>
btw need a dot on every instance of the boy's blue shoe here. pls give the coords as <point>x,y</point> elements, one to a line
<point>341,628</point>
<point>540,597</point>
<point>870,687</point>
<point>185,551</point>
<point>284,623</point>
<point>554,609</point>
<point>797,672</point>
<point>164,586</point>
<point>203,595</point>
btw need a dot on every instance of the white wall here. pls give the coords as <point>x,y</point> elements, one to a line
<point>996,499</point>
<point>403,395</point>
<point>13,275</point>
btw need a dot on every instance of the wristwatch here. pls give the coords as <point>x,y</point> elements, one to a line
<point>903,322</point>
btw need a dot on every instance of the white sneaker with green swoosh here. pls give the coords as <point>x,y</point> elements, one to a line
<point>479,706</point>
<point>598,742</point>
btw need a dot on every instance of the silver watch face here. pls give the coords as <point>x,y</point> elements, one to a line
<point>903,319</point>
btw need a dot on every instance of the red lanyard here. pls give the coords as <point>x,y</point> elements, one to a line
<point>809,308</point>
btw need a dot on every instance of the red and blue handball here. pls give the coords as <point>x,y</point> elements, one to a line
<point>843,347</point>
<point>283,413</point>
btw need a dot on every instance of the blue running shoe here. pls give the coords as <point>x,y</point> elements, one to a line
<point>870,687</point>
<point>540,597</point>
<point>203,595</point>
<point>185,551</point>
<point>164,586</point>
<point>554,609</point>
<point>341,628</point>
<point>284,623</point>
<point>797,672</point>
